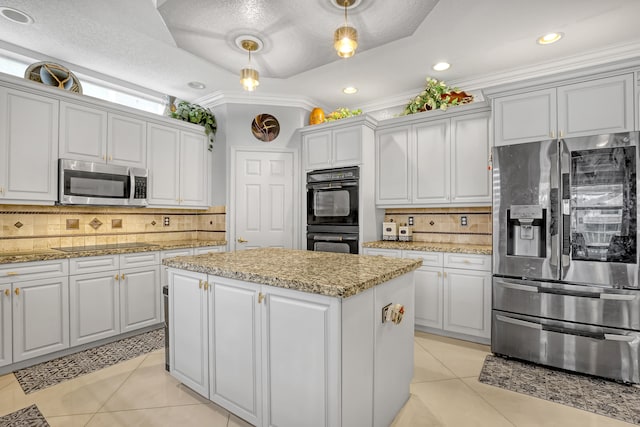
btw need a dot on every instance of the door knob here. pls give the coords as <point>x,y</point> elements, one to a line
<point>241,240</point>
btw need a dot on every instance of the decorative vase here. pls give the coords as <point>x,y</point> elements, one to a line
<point>316,116</point>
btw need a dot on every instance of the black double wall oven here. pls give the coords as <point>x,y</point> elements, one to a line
<point>332,210</point>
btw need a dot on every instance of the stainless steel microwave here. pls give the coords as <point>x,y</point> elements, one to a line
<point>89,183</point>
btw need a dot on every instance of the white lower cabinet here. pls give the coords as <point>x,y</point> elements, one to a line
<point>467,302</point>
<point>139,297</point>
<point>94,300</point>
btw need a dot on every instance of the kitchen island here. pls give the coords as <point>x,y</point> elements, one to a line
<point>294,338</point>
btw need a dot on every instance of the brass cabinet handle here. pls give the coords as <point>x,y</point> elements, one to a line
<point>439,274</point>
<point>552,134</point>
<point>241,240</point>
<point>260,297</point>
<point>110,157</point>
<point>17,291</point>
<point>104,157</point>
<point>445,274</point>
<point>122,276</point>
<point>200,283</point>
<point>206,286</point>
<point>561,133</point>
<point>12,273</point>
<point>117,277</point>
<point>7,292</point>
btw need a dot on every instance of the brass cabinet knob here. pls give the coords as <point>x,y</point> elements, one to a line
<point>206,286</point>
<point>117,277</point>
<point>17,291</point>
<point>7,292</point>
<point>200,283</point>
<point>122,276</point>
<point>260,297</point>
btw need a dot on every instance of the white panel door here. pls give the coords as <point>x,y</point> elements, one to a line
<point>188,330</point>
<point>347,146</point>
<point>28,146</point>
<point>299,364</point>
<point>525,117</point>
<point>470,148</point>
<point>139,297</point>
<point>467,302</point>
<point>193,169</point>
<point>127,141</point>
<point>235,351</point>
<point>429,296</point>
<point>317,150</point>
<point>6,356</point>
<point>40,317</point>
<point>83,133</point>
<point>94,302</point>
<point>163,161</point>
<point>431,163</point>
<point>264,212</point>
<point>393,184</point>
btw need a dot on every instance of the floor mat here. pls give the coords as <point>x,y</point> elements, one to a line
<point>68,367</point>
<point>591,394</point>
<point>29,416</point>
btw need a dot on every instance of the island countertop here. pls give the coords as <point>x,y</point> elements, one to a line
<point>324,273</point>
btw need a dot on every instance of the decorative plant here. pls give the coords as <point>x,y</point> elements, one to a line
<point>341,113</point>
<point>436,96</point>
<point>199,115</point>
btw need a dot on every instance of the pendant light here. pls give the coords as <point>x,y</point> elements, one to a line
<point>249,76</point>
<point>345,38</point>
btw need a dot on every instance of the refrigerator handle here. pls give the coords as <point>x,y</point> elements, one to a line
<point>565,206</point>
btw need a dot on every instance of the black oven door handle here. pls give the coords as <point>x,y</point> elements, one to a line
<point>330,186</point>
<point>333,238</point>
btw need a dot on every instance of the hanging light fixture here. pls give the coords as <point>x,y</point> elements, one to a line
<point>249,76</point>
<point>345,38</point>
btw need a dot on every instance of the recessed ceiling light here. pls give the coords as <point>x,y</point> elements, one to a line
<point>350,90</point>
<point>549,38</point>
<point>196,85</point>
<point>441,66</point>
<point>15,15</point>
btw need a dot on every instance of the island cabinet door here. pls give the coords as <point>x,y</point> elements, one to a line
<point>301,359</point>
<point>139,297</point>
<point>234,325</point>
<point>188,330</point>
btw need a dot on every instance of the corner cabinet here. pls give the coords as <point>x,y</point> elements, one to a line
<point>335,144</point>
<point>598,106</point>
<point>178,167</point>
<point>28,147</point>
<point>434,160</point>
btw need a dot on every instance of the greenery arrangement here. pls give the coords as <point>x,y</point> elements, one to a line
<point>436,96</point>
<point>341,113</point>
<point>199,115</point>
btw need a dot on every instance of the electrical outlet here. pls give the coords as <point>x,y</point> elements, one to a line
<point>410,220</point>
<point>166,221</point>
<point>463,221</point>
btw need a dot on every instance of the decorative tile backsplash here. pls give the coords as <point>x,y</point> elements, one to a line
<point>44,227</point>
<point>444,225</point>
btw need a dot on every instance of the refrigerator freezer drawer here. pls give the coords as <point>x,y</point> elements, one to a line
<point>605,352</point>
<point>615,308</point>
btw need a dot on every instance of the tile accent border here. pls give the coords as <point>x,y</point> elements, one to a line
<point>29,416</point>
<point>597,395</point>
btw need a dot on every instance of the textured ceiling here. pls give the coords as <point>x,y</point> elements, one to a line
<point>297,35</point>
<point>163,45</point>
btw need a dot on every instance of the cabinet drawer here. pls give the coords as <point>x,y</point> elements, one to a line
<point>93,264</point>
<point>468,261</point>
<point>383,252</point>
<point>430,259</point>
<point>10,273</point>
<point>207,249</point>
<point>176,252</point>
<point>139,259</point>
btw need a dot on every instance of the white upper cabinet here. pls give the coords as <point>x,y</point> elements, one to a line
<point>331,148</point>
<point>28,147</point>
<point>178,165</point>
<point>593,107</point>
<point>95,135</point>
<point>435,162</point>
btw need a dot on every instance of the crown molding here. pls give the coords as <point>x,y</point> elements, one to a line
<point>218,98</point>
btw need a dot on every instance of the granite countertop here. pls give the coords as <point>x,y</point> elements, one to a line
<point>460,248</point>
<point>324,273</point>
<point>49,254</point>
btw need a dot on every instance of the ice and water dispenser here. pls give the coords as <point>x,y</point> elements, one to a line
<point>526,231</point>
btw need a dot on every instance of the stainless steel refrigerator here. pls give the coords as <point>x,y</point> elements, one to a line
<point>565,263</point>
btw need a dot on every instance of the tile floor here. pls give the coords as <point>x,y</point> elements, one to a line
<point>444,392</point>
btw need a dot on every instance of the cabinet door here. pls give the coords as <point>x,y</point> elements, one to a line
<point>393,186</point>
<point>40,317</point>
<point>347,147</point>
<point>163,161</point>
<point>188,330</point>
<point>193,169</point>
<point>139,297</point>
<point>83,133</point>
<point>300,366</point>
<point>6,356</point>
<point>28,147</point>
<point>235,351</point>
<point>317,150</point>
<point>596,107</point>
<point>429,297</point>
<point>525,117</point>
<point>94,302</point>
<point>431,163</point>
<point>127,141</point>
<point>467,302</point>
<point>470,148</point>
